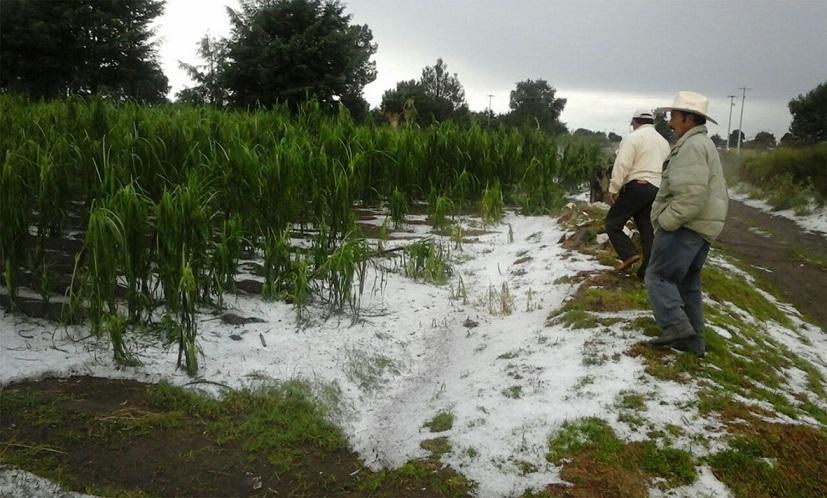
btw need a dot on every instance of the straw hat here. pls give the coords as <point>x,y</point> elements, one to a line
<point>689,102</point>
<point>643,114</point>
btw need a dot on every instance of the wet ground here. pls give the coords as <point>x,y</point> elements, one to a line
<point>792,260</point>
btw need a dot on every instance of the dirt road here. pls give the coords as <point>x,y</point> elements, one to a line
<point>795,261</point>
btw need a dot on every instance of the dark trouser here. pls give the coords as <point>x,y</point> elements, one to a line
<point>635,201</point>
<point>674,279</point>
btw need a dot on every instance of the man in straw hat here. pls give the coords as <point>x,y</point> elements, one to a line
<point>635,179</point>
<point>688,214</point>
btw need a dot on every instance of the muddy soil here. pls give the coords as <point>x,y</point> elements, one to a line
<point>88,434</point>
<point>792,260</point>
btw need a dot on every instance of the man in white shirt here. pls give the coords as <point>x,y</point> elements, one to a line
<point>636,176</point>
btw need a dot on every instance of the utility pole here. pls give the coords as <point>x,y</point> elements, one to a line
<point>729,125</point>
<point>741,122</point>
<point>490,96</point>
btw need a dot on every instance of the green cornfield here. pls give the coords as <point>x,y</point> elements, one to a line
<point>156,205</point>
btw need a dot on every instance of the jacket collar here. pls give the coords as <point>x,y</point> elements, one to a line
<point>689,133</point>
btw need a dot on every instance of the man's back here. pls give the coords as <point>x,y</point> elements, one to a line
<point>640,157</point>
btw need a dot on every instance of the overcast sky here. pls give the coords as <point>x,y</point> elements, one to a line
<point>605,57</point>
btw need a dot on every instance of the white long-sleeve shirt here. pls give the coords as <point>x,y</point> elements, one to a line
<point>640,157</point>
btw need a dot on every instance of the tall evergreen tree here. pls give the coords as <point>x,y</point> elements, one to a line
<point>809,125</point>
<point>292,50</point>
<point>435,97</point>
<point>209,76</point>
<point>533,103</point>
<point>444,91</point>
<point>54,48</point>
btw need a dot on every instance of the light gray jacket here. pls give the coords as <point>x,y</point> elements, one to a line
<point>693,190</point>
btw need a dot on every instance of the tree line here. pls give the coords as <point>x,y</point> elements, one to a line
<point>278,51</point>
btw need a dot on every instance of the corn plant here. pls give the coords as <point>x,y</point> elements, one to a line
<point>184,232</point>
<point>338,205</point>
<point>456,235</point>
<point>539,190</point>
<point>103,257</point>
<point>398,208</point>
<point>300,294</point>
<point>426,261</point>
<point>188,326</point>
<point>500,302</point>
<point>439,211</point>
<point>169,188</point>
<point>464,189</point>
<point>491,204</point>
<point>168,248</point>
<point>115,327</point>
<point>225,259</point>
<point>319,249</point>
<point>277,264</point>
<point>13,225</point>
<point>344,269</point>
<point>459,292</point>
<point>132,208</point>
<point>49,198</point>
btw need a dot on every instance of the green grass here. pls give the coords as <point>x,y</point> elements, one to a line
<point>418,476</point>
<point>745,362</point>
<point>441,423</point>
<point>593,442</point>
<point>795,175</point>
<point>271,423</point>
<point>603,294</point>
<point>774,461</point>
<point>631,401</point>
<point>280,428</point>
<point>748,364</point>
<point>581,434</point>
<point>437,446</point>
<point>726,287</point>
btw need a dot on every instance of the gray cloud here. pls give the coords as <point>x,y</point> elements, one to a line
<point>643,49</point>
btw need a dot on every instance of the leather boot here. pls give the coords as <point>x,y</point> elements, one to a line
<point>694,345</point>
<point>680,330</point>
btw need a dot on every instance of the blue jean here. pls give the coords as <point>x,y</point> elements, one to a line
<point>673,278</point>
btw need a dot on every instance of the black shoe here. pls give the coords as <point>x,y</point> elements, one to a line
<point>692,345</point>
<point>681,330</point>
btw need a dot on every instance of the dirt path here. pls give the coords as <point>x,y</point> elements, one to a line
<point>794,261</point>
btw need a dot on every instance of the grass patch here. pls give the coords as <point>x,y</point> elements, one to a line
<point>600,464</point>
<point>773,460</point>
<point>726,287</point>
<point>749,364</point>
<point>631,401</point>
<point>579,319</point>
<point>442,422</point>
<point>645,324</point>
<point>525,468</point>
<point>794,176</point>
<point>600,293</point>
<point>437,446</point>
<point>417,476</point>
<point>762,280</point>
<point>124,438</point>
<point>742,362</point>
